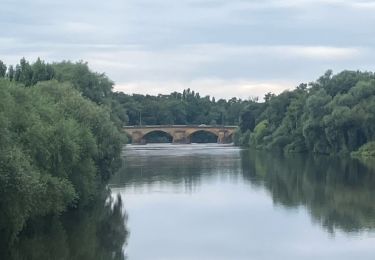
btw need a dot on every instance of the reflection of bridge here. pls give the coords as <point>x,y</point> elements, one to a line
<point>181,134</point>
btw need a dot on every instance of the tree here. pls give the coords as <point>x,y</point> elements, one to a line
<point>57,147</point>
<point>3,69</point>
<point>26,73</point>
<point>41,71</point>
<point>334,114</point>
<point>95,86</point>
<point>10,73</point>
<point>17,73</point>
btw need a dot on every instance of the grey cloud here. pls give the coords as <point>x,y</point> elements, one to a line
<point>179,42</point>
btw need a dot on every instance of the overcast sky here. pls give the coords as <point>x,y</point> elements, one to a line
<point>223,48</point>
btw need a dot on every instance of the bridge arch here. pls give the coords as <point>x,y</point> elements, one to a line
<point>203,136</point>
<point>152,136</point>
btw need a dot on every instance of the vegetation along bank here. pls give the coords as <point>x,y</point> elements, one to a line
<point>333,115</point>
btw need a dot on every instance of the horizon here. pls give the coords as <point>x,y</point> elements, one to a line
<point>258,99</point>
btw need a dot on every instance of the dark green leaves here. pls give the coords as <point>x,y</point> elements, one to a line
<point>334,115</point>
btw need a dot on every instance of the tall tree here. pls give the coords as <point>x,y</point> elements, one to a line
<point>10,73</point>
<point>3,69</point>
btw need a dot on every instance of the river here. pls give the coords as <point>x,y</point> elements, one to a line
<point>209,201</point>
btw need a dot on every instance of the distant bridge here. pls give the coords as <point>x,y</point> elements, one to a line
<point>181,134</point>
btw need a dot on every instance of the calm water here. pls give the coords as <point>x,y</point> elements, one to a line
<point>220,202</point>
<point>215,202</point>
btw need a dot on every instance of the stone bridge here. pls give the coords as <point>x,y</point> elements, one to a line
<point>181,134</point>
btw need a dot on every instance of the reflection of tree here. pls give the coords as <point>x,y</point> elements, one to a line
<point>337,192</point>
<point>96,232</point>
<point>187,170</point>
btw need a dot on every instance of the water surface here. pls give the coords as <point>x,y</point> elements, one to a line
<point>221,202</point>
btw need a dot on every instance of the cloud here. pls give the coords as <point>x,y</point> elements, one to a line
<point>79,27</point>
<point>321,52</point>
<point>228,62</point>
<point>278,4</point>
<point>310,52</point>
<point>364,4</point>
<point>237,43</point>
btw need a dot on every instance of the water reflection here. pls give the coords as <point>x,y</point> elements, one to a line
<point>95,232</point>
<point>221,202</point>
<point>180,165</point>
<point>338,192</point>
<point>216,202</point>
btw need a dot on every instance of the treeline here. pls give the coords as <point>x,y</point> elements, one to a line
<point>59,140</point>
<point>333,115</point>
<point>187,107</point>
<point>183,108</point>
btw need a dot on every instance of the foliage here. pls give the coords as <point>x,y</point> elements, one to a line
<point>56,146</point>
<point>95,86</point>
<point>366,150</point>
<point>335,114</point>
<point>260,132</point>
<point>179,109</point>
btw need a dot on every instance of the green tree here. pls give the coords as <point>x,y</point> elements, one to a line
<point>3,69</point>
<point>10,73</point>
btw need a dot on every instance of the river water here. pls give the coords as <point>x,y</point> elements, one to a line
<point>209,201</point>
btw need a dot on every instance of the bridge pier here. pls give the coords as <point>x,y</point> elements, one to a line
<point>179,137</point>
<point>223,137</point>
<point>137,138</point>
